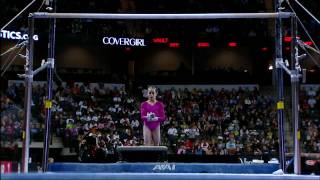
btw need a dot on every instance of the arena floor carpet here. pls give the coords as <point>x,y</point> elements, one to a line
<point>158,171</point>
<point>233,168</point>
<point>153,176</point>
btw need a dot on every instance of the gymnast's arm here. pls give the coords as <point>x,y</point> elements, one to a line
<point>161,115</point>
<point>143,112</point>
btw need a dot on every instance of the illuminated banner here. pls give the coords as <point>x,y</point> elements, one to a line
<point>203,44</point>
<point>123,41</point>
<point>16,35</point>
<point>160,40</point>
<point>174,45</point>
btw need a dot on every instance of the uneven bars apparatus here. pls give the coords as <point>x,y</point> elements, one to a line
<point>46,15</point>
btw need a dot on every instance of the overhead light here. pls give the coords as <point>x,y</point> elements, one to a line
<point>270,67</point>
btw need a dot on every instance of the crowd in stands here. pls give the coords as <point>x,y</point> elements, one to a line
<point>94,121</point>
<point>221,122</point>
<point>310,115</point>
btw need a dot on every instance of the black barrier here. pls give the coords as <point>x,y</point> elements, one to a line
<point>308,166</point>
<point>142,153</point>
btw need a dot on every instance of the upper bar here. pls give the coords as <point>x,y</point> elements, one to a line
<point>46,15</point>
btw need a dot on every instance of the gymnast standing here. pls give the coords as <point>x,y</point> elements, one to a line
<point>152,114</point>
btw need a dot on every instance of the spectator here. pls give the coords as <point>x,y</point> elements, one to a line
<point>231,145</point>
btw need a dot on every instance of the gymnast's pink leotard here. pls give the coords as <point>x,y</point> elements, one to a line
<point>157,109</point>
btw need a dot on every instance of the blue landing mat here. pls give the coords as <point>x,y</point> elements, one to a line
<point>153,176</point>
<point>164,168</point>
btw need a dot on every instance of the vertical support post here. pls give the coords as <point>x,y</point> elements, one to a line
<point>48,103</point>
<point>295,86</point>
<point>279,82</point>
<point>295,115</point>
<point>28,94</point>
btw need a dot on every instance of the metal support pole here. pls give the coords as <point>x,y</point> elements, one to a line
<point>279,82</point>
<point>164,16</point>
<point>295,95</point>
<point>48,103</point>
<point>295,115</point>
<point>42,67</point>
<point>28,95</point>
